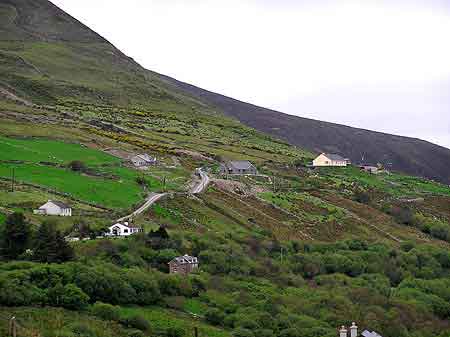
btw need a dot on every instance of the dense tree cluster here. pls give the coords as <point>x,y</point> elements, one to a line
<point>46,245</point>
<point>251,285</point>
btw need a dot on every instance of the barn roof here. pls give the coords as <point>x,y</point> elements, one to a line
<point>334,156</point>
<point>60,204</point>
<point>240,164</point>
<point>185,259</point>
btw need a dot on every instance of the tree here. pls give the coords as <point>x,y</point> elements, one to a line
<point>15,236</point>
<point>50,245</point>
<point>77,166</point>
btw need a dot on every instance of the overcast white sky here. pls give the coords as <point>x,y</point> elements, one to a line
<point>377,64</point>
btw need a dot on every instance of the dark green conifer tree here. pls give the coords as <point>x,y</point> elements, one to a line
<point>15,236</point>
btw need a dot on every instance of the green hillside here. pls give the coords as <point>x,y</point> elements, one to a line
<point>292,252</point>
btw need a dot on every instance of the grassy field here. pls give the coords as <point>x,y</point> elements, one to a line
<point>121,193</point>
<point>52,322</point>
<point>109,185</point>
<point>37,150</point>
<point>160,319</point>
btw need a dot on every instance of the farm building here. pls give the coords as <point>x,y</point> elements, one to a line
<point>238,167</point>
<point>54,208</point>
<point>122,230</point>
<point>370,169</point>
<point>183,264</point>
<point>143,160</point>
<point>327,159</point>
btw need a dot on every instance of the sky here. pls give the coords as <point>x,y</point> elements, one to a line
<point>382,65</point>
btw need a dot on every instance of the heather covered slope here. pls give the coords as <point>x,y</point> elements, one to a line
<point>409,155</point>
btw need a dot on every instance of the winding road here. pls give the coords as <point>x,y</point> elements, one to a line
<point>154,197</point>
<point>202,184</point>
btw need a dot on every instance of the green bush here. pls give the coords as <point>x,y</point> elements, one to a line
<point>106,311</point>
<point>137,322</point>
<point>243,333</point>
<point>175,332</point>
<point>215,316</point>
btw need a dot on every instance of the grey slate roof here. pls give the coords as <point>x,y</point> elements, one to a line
<point>366,333</point>
<point>240,164</point>
<point>335,157</point>
<point>185,259</point>
<point>60,204</point>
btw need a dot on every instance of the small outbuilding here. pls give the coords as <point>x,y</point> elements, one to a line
<point>183,265</point>
<point>328,159</point>
<point>143,160</point>
<point>54,208</point>
<point>121,230</point>
<point>242,167</point>
<point>370,168</point>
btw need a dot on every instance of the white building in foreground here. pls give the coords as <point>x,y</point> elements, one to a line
<point>123,230</point>
<point>54,208</point>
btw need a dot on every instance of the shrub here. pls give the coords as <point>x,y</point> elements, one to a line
<point>243,333</point>
<point>175,332</point>
<point>82,330</point>
<point>215,316</point>
<point>106,311</point>
<point>137,322</point>
<point>291,332</point>
<point>74,298</point>
<point>77,166</point>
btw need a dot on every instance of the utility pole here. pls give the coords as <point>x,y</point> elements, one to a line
<point>281,257</point>
<point>13,179</point>
<point>195,332</point>
<point>273,183</point>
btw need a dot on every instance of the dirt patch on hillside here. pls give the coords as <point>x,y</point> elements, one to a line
<point>237,187</point>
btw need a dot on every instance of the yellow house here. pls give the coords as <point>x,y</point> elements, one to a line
<point>326,159</point>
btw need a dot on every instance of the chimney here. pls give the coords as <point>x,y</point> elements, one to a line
<point>353,330</point>
<point>343,332</point>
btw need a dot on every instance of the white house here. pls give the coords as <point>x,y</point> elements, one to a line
<point>327,159</point>
<point>122,230</point>
<point>143,160</point>
<point>343,332</point>
<point>54,208</point>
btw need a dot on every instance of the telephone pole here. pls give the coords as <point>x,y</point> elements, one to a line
<point>13,178</point>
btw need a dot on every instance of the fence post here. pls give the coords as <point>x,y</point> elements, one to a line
<point>12,327</point>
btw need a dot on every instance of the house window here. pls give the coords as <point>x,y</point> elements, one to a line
<point>125,230</point>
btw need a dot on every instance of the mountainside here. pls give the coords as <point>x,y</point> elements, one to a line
<point>291,251</point>
<point>409,155</point>
<point>35,70</point>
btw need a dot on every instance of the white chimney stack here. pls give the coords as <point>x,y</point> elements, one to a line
<point>353,330</point>
<point>343,332</point>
